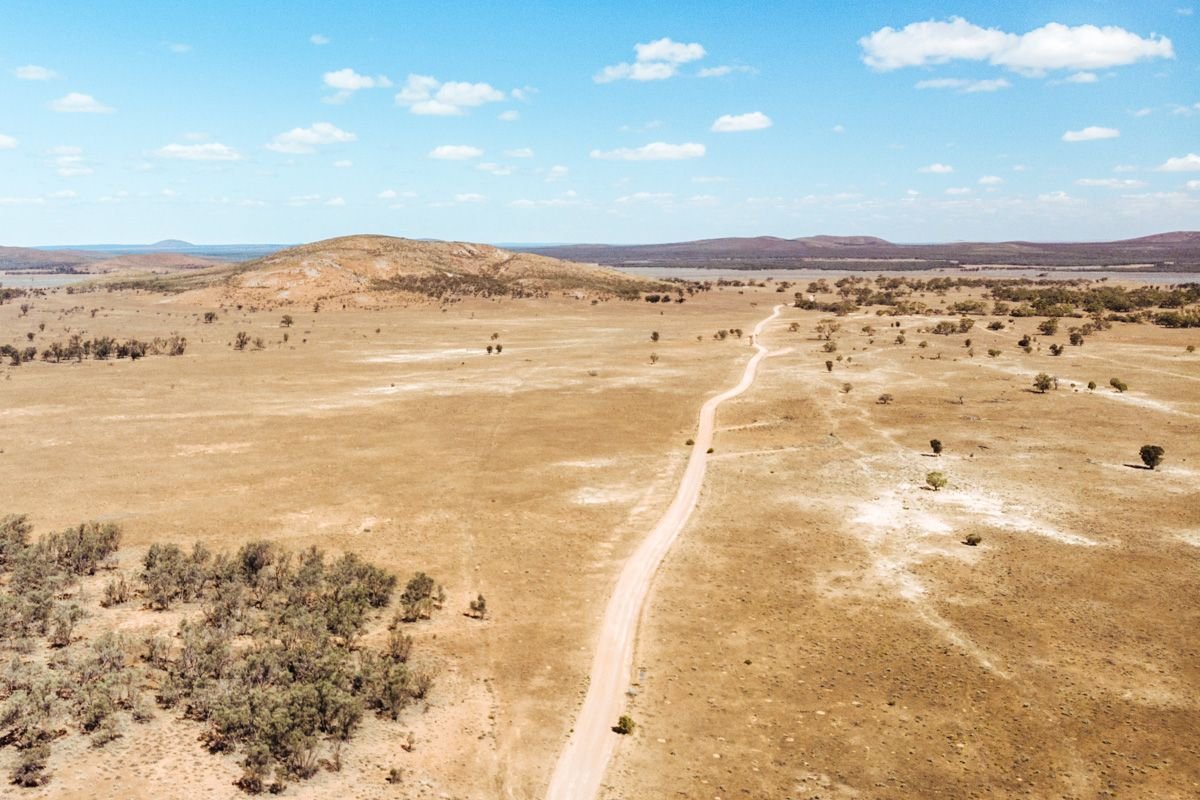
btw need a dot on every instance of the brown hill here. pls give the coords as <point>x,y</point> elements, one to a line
<point>28,258</point>
<point>156,263</point>
<point>371,270</point>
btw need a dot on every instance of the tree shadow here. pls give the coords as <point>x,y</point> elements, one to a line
<point>1138,466</point>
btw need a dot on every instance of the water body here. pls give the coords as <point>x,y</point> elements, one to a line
<point>224,252</point>
<point>833,275</point>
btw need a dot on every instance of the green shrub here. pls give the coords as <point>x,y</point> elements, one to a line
<point>625,725</point>
<point>936,480</point>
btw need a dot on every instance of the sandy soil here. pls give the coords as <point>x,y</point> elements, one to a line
<point>528,476</point>
<point>817,630</point>
<point>820,631</point>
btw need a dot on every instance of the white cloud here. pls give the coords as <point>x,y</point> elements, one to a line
<point>1111,183</point>
<point>300,141</point>
<point>7,142</point>
<point>710,179</point>
<point>63,194</point>
<point>455,152</point>
<point>1184,11</point>
<point>556,173</point>
<point>426,95</point>
<point>753,121</point>
<point>76,103</point>
<point>499,170</point>
<point>958,190</point>
<point>32,72</point>
<point>1125,168</point>
<point>387,194</point>
<point>1188,163</point>
<point>964,86</point>
<point>568,198</point>
<point>22,201</point>
<point>349,80</point>
<point>1052,46</point>
<point>670,51</point>
<point>336,202</point>
<point>1090,134</point>
<point>1143,112</point>
<point>655,151</point>
<point>69,162</point>
<point>655,61</point>
<point>1056,198</point>
<point>838,128</point>
<point>1082,77</point>
<point>1020,168</point>
<point>509,116</point>
<point>303,199</point>
<point>704,200</point>
<point>991,180</point>
<point>319,39</point>
<point>469,197</point>
<point>209,151</point>
<point>657,198</point>
<point>520,152</point>
<point>722,70</point>
<point>343,163</point>
<point>937,169</point>
<point>1193,186</point>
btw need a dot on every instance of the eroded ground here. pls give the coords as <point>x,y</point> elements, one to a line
<point>818,630</point>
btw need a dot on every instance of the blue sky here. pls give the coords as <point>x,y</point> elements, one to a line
<point>618,122</point>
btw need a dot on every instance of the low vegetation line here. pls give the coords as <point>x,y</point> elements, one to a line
<point>584,760</point>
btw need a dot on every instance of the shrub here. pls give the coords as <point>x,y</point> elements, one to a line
<point>884,399</point>
<point>1056,349</point>
<point>1118,384</point>
<point>30,771</point>
<point>417,598</point>
<point>654,336</point>
<point>286,321</point>
<point>210,317</point>
<point>625,725</point>
<point>936,480</point>
<point>1076,338</point>
<point>1091,386</point>
<point>996,325</point>
<point>829,366</point>
<point>973,539</point>
<point>241,340</point>
<point>993,352</point>
<point>1043,382</point>
<point>935,445</point>
<point>1048,327</point>
<point>1152,455</point>
<point>690,442</point>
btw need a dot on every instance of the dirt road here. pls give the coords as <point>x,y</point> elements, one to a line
<point>583,762</point>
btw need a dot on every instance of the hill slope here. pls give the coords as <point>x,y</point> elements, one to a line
<point>1179,250</point>
<point>372,270</point>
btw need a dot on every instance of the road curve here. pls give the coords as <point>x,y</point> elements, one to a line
<point>582,764</point>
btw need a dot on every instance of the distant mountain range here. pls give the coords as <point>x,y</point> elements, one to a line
<point>1177,251</point>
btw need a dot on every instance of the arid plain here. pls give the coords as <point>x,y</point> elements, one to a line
<point>818,631</point>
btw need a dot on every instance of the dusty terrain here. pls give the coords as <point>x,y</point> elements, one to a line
<point>820,631</point>
<point>817,630</point>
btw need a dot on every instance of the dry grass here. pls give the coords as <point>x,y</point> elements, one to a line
<point>885,659</point>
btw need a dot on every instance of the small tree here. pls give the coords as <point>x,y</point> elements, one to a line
<point>654,336</point>
<point>936,480</point>
<point>210,317</point>
<point>241,340</point>
<point>973,539</point>
<point>1048,327</point>
<point>936,446</point>
<point>654,358</point>
<point>829,366</point>
<point>1091,386</point>
<point>479,607</point>
<point>1118,384</point>
<point>885,399</point>
<point>1043,382</point>
<point>625,725</point>
<point>286,322</point>
<point>499,349</point>
<point>1152,455</point>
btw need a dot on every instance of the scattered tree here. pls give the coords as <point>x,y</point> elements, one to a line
<point>479,607</point>
<point>884,399</point>
<point>935,445</point>
<point>625,725</point>
<point>1118,384</point>
<point>936,480</point>
<point>973,539</point>
<point>1152,455</point>
<point>286,321</point>
<point>1043,382</point>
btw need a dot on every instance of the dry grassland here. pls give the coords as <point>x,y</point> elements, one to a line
<point>818,630</point>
